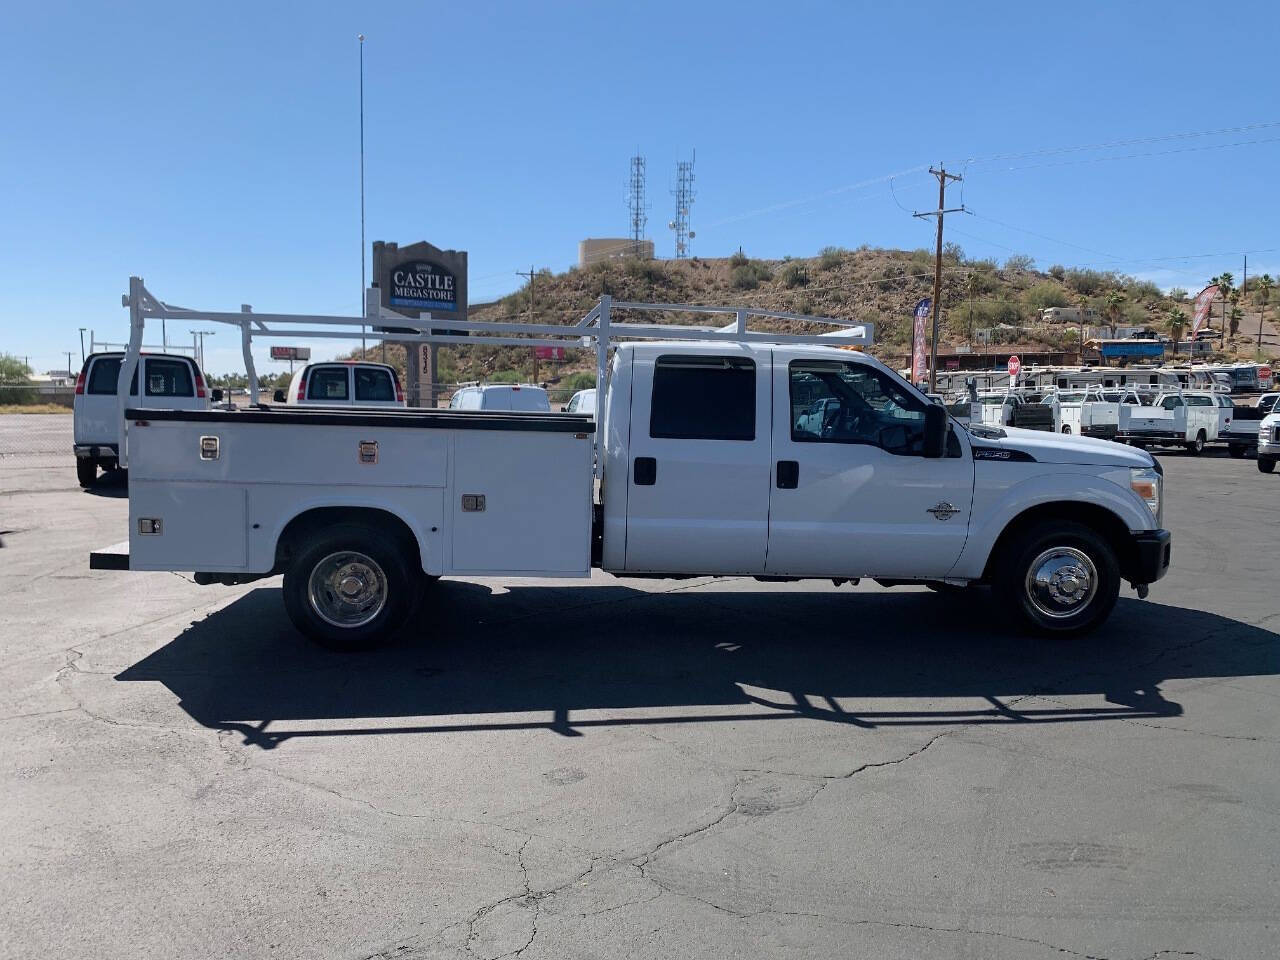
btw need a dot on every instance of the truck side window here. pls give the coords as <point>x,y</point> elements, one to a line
<point>374,385</point>
<point>168,378</point>
<point>327,383</point>
<point>703,398</point>
<point>837,402</point>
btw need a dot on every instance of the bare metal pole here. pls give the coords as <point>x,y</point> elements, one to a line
<point>360,37</point>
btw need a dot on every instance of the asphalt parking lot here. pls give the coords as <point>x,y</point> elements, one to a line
<point>704,768</point>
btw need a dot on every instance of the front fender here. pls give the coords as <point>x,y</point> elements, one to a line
<point>1003,491</point>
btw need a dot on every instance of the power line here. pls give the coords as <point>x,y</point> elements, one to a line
<point>1080,148</point>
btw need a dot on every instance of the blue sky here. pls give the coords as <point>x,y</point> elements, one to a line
<point>213,148</point>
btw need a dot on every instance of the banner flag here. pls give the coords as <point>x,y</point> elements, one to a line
<point>1203,302</point>
<point>918,356</point>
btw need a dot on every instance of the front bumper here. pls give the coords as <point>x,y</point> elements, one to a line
<point>1147,559</point>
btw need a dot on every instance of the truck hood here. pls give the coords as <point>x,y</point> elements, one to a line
<point>1062,447</point>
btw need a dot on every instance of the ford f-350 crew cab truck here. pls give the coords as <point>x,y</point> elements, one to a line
<point>711,464</point>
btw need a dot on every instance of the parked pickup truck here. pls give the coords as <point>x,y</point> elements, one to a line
<point>1242,428</point>
<point>1269,441</point>
<point>712,464</point>
<point>170,381</point>
<point>1184,419</point>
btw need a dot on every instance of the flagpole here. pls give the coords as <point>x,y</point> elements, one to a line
<point>363,285</point>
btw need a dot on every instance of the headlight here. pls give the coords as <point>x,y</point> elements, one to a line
<point>1146,483</point>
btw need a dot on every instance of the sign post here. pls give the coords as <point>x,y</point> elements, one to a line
<point>421,280</point>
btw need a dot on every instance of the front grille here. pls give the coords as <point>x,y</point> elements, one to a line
<point>1275,434</point>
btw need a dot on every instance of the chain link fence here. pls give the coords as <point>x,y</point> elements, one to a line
<point>35,420</point>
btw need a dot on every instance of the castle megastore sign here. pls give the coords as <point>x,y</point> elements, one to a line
<point>424,286</point>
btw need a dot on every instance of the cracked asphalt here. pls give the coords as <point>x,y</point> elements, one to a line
<point>707,768</point>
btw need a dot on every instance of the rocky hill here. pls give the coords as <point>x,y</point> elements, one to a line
<point>867,284</point>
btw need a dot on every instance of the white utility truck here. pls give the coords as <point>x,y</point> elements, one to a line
<point>710,463</point>
<point>1182,419</point>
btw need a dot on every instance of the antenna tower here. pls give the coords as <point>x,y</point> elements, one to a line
<point>636,203</point>
<point>684,194</point>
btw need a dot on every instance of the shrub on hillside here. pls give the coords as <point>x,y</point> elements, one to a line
<point>1141,290</point>
<point>1058,271</point>
<point>578,381</point>
<point>1045,295</point>
<point>739,259</point>
<point>1019,263</point>
<point>953,252</point>
<point>794,275</point>
<point>831,257</point>
<point>748,276</point>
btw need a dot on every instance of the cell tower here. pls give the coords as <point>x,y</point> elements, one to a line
<point>684,195</point>
<point>635,201</point>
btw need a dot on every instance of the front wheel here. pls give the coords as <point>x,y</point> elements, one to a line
<point>1066,428</point>
<point>1266,464</point>
<point>86,470</point>
<point>350,587</point>
<point>1060,578</point>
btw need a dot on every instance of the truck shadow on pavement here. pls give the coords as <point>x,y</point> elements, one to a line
<point>538,657</point>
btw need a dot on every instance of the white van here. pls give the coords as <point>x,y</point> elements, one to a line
<point>343,384</point>
<point>584,401</point>
<point>172,383</point>
<point>500,396</point>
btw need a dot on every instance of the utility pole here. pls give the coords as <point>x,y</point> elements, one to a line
<point>69,352</point>
<point>943,177</point>
<point>530,275</point>
<point>82,330</point>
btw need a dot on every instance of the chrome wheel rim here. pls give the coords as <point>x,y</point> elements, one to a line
<point>347,589</point>
<point>1061,582</point>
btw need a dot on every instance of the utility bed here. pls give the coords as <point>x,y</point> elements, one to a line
<point>479,504</point>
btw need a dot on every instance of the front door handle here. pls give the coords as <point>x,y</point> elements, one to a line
<point>788,474</point>
<point>644,470</point>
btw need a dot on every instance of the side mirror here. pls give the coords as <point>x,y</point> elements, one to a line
<point>935,431</point>
<point>216,394</point>
<point>279,397</point>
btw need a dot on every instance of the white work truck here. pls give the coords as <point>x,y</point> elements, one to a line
<point>1269,442</point>
<point>710,463</point>
<point>1182,419</point>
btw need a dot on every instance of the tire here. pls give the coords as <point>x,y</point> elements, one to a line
<point>1235,451</point>
<point>350,587</point>
<point>1066,428</point>
<point>86,470</point>
<point>1266,464</point>
<point>1061,551</point>
<point>1196,446</point>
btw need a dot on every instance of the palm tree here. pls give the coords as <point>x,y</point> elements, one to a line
<point>1264,287</point>
<point>1224,281</point>
<point>1114,301</point>
<point>1176,322</point>
<point>1236,316</point>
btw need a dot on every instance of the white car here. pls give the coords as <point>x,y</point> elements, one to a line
<point>501,396</point>
<point>343,384</point>
<point>584,401</point>
<point>172,382</point>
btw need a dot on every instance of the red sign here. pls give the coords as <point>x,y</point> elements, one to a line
<point>1204,301</point>
<point>549,353</point>
<point>290,353</point>
<point>1015,366</point>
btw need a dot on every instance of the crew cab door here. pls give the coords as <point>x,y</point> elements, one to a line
<point>853,496</point>
<point>698,476</point>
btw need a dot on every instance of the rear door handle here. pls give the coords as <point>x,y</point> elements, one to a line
<point>788,474</point>
<point>644,471</point>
